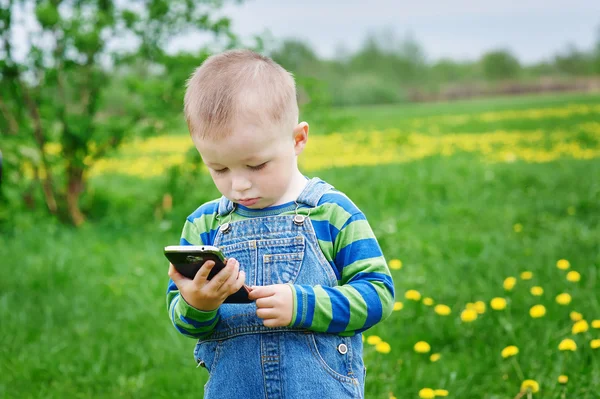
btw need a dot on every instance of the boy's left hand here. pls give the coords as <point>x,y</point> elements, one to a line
<point>274,304</point>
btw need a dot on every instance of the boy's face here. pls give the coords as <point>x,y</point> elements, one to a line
<point>255,165</point>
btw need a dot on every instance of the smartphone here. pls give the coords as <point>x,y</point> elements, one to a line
<point>188,259</point>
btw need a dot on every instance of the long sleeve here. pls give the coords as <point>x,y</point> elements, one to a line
<point>188,320</point>
<point>365,294</point>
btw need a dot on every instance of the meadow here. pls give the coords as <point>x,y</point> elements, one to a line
<point>488,212</point>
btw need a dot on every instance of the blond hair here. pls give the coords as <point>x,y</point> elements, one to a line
<point>239,84</point>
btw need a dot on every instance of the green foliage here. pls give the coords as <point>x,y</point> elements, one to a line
<point>500,64</point>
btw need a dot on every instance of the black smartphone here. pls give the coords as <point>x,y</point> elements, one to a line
<point>188,259</point>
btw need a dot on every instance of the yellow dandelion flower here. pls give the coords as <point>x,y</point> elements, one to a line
<point>395,264</point>
<point>412,295</point>
<point>563,379</point>
<point>442,310</point>
<point>537,291</point>
<point>398,306</point>
<point>422,347</point>
<point>468,315</point>
<point>596,323</point>
<point>383,347</point>
<point>426,393</point>
<point>479,307</point>
<point>563,299</point>
<point>498,303</point>
<point>573,276</point>
<point>435,357</point>
<point>530,385</point>
<point>427,301</point>
<point>509,283</point>
<point>579,327</point>
<point>518,227</point>
<point>567,344</point>
<point>440,392</point>
<point>575,316</point>
<point>392,396</point>
<point>526,275</point>
<point>373,340</point>
<point>537,311</point>
<point>595,343</point>
<point>563,264</point>
<point>509,351</point>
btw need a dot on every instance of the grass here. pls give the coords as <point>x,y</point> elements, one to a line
<point>83,314</point>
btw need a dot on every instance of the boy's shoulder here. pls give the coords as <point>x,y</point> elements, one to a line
<point>207,209</point>
<point>338,201</point>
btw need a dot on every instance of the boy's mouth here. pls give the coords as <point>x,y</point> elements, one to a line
<point>248,201</point>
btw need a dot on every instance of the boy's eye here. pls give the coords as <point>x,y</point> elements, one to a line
<point>219,171</point>
<point>258,167</point>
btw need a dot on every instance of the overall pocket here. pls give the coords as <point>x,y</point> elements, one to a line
<point>334,354</point>
<point>281,259</point>
<point>206,354</point>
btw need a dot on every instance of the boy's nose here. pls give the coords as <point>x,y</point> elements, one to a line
<point>240,184</point>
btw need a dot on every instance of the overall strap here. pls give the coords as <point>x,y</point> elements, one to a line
<point>312,193</point>
<point>225,206</point>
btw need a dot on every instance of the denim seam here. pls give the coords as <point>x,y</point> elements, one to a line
<point>315,350</point>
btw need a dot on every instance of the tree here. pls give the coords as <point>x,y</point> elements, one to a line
<point>57,95</point>
<point>500,64</point>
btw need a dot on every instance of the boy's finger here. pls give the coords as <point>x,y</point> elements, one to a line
<point>261,292</point>
<point>231,281</point>
<point>221,277</point>
<point>174,274</point>
<point>204,271</point>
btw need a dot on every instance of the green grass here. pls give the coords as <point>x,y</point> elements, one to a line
<point>83,314</point>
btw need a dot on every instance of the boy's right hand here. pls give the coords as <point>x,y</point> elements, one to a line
<point>207,295</point>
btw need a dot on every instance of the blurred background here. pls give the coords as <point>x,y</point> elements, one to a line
<point>467,131</point>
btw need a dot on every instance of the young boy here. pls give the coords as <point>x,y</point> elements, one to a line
<point>317,273</point>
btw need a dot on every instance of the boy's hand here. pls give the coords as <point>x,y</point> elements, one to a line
<point>274,304</point>
<point>208,295</point>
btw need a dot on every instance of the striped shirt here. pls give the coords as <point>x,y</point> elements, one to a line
<point>363,298</point>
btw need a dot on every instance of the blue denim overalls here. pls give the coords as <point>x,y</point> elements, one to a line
<point>247,360</point>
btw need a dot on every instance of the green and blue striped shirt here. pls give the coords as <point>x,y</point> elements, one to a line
<point>363,298</point>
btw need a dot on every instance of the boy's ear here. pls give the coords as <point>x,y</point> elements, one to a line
<point>300,137</point>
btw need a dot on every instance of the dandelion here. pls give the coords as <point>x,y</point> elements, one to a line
<point>442,310</point>
<point>395,264</point>
<point>595,343</point>
<point>537,311</point>
<point>563,299</point>
<point>563,379</point>
<point>575,316</point>
<point>526,275</point>
<point>567,344</point>
<point>398,306</point>
<point>530,385</point>
<point>509,283</point>
<point>468,315</point>
<point>596,323</point>
<point>498,303</point>
<point>373,340</point>
<point>435,357</point>
<point>536,291</point>
<point>563,264</point>
<point>426,393</point>
<point>440,392</point>
<point>479,307</point>
<point>579,327</point>
<point>427,301</point>
<point>383,347</point>
<point>518,227</point>
<point>412,295</point>
<point>422,347</point>
<point>392,396</point>
<point>573,276</point>
<point>509,351</point>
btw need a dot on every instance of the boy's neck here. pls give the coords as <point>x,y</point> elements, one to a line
<point>296,187</point>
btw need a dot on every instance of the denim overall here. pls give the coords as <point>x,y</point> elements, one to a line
<point>247,360</point>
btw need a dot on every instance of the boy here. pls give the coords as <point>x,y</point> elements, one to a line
<point>317,274</point>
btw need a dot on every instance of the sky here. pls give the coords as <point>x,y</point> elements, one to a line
<point>533,30</point>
